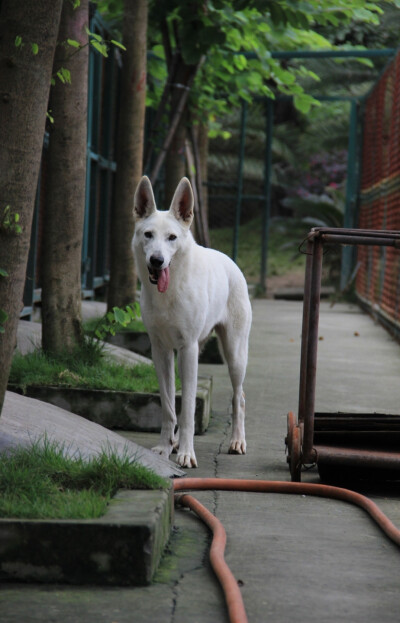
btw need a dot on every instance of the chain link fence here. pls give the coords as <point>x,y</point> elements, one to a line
<point>378,277</point>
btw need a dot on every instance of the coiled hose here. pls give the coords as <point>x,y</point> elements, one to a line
<point>233,597</point>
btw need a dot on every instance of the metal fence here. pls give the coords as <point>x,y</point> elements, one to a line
<point>378,276</point>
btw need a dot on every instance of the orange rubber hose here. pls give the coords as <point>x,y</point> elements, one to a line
<point>233,597</point>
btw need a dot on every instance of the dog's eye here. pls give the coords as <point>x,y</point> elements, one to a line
<point>148,234</point>
<point>172,237</point>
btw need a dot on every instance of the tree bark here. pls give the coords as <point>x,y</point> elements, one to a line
<point>175,159</point>
<point>203,144</point>
<point>25,74</point>
<point>129,157</point>
<point>199,168</point>
<point>65,189</point>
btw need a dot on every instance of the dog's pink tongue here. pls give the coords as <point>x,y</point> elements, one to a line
<point>163,280</point>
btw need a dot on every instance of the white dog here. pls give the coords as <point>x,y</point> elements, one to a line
<point>187,291</point>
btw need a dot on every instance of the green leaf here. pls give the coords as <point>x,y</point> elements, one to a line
<point>18,41</point>
<point>3,272</point>
<point>64,75</point>
<point>240,61</point>
<point>35,48</point>
<point>118,44</point>
<point>3,316</point>
<point>119,315</point>
<point>302,103</point>
<point>96,36</point>
<point>73,43</point>
<point>67,74</point>
<point>100,47</point>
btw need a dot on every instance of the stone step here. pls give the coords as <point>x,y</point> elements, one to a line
<point>123,547</point>
<point>135,411</point>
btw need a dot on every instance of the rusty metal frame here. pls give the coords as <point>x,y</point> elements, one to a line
<point>301,442</point>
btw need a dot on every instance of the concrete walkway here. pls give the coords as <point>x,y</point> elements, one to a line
<point>297,558</point>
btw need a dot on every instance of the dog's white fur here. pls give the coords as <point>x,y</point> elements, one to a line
<point>202,290</point>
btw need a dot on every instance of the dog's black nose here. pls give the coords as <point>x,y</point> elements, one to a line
<point>156,261</point>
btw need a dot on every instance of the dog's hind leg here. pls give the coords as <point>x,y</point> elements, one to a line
<point>235,349</point>
<point>165,368</point>
<point>188,365</point>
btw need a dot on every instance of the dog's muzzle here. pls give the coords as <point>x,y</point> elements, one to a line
<point>157,275</point>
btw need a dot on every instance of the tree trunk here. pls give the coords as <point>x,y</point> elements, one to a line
<point>65,189</point>
<point>175,160</point>
<point>25,74</point>
<point>203,143</point>
<point>129,152</point>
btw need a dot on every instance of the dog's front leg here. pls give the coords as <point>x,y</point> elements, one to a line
<point>165,368</point>
<point>188,365</point>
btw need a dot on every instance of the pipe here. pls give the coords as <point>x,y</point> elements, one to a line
<point>233,597</point>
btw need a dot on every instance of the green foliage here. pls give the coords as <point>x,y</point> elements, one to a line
<point>64,75</point>
<point>41,481</point>
<point>135,325</point>
<point>285,237</point>
<point>318,210</point>
<point>79,369</point>
<point>237,37</point>
<point>20,44</point>
<point>96,41</point>
<point>116,320</point>
<point>9,222</point>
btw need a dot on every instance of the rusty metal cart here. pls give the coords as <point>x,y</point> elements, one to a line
<point>338,443</point>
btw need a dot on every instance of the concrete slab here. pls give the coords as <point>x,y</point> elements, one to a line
<point>297,558</point>
<point>121,548</point>
<point>118,410</point>
<point>93,309</point>
<point>29,338</point>
<point>24,420</point>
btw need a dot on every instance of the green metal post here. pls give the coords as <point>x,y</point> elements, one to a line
<point>351,193</point>
<point>269,112</point>
<point>239,194</point>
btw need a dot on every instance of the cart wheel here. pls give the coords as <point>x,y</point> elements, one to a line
<point>291,423</point>
<point>295,455</point>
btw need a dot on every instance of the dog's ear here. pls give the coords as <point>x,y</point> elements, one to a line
<point>144,203</point>
<point>182,202</point>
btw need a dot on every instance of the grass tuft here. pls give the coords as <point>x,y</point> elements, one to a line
<point>37,368</point>
<point>41,482</point>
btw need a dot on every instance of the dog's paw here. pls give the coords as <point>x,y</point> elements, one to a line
<point>164,451</point>
<point>175,444</point>
<point>186,459</point>
<point>237,446</point>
